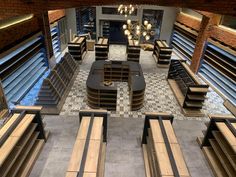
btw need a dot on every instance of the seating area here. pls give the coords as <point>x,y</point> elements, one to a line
<point>21,140</point>
<point>56,86</point>
<point>161,150</point>
<point>219,145</point>
<point>189,91</point>
<point>89,152</point>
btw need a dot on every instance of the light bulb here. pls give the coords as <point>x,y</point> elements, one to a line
<point>138,27</point>
<point>136,42</point>
<point>125,15</point>
<point>129,21</point>
<point>145,22</point>
<point>138,32</point>
<point>132,9</point>
<point>130,5</point>
<point>130,37</point>
<point>144,33</point>
<point>149,26</point>
<point>147,37</point>
<point>121,11</point>
<point>124,26</point>
<point>126,32</point>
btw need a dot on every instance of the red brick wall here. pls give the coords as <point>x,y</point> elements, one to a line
<point>188,21</point>
<point>224,35</point>
<point>55,15</point>
<point>14,7</point>
<point>16,32</point>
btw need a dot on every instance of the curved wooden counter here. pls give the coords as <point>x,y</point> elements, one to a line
<point>100,96</point>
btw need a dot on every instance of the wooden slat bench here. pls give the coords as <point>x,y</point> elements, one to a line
<point>162,153</point>
<point>88,156</point>
<point>21,140</point>
<point>219,145</point>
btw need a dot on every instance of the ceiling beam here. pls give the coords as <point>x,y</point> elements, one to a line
<point>18,7</point>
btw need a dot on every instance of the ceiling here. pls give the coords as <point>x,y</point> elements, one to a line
<point>19,7</point>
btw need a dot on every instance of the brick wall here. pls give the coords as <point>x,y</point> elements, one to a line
<point>11,35</point>
<point>15,7</point>
<point>55,15</point>
<point>189,21</point>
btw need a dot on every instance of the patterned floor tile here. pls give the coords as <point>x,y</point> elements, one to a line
<point>158,95</point>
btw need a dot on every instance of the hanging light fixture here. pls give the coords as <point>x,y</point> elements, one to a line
<point>136,30</point>
<point>126,9</point>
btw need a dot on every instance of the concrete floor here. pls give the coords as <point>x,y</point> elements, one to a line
<point>124,154</point>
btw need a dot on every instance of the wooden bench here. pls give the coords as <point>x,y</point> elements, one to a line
<point>21,140</point>
<point>188,90</point>
<point>162,153</point>
<point>102,48</point>
<point>88,155</point>
<point>56,86</point>
<point>162,53</point>
<point>219,145</point>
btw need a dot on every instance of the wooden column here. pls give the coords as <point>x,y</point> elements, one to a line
<point>208,21</point>
<point>45,27</point>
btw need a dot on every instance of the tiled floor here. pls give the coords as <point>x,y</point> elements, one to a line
<point>124,153</point>
<point>158,95</point>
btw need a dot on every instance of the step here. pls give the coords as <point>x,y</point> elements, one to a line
<point>228,135</point>
<point>31,158</point>
<point>225,147</point>
<point>21,158</point>
<point>223,159</point>
<point>214,162</point>
<point>28,85</point>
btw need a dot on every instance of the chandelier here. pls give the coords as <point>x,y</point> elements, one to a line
<point>126,10</point>
<point>136,30</point>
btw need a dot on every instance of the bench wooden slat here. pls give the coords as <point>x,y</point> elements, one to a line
<point>179,160</point>
<point>156,131</point>
<point>157,134</point>
<point>82,133</point>
<point>222,157</point>
<point>170,131</point>
<point>163,159</point>
<point>23,125</point>
<point>4,129</point>
<point>15,136</point>
<point>92,159</point>
<point>214,162</point>
<point>226,148</point>
<point>97,130</point>
<point>74,174</point>
<point>77,153</point>
<point>228,135</point>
